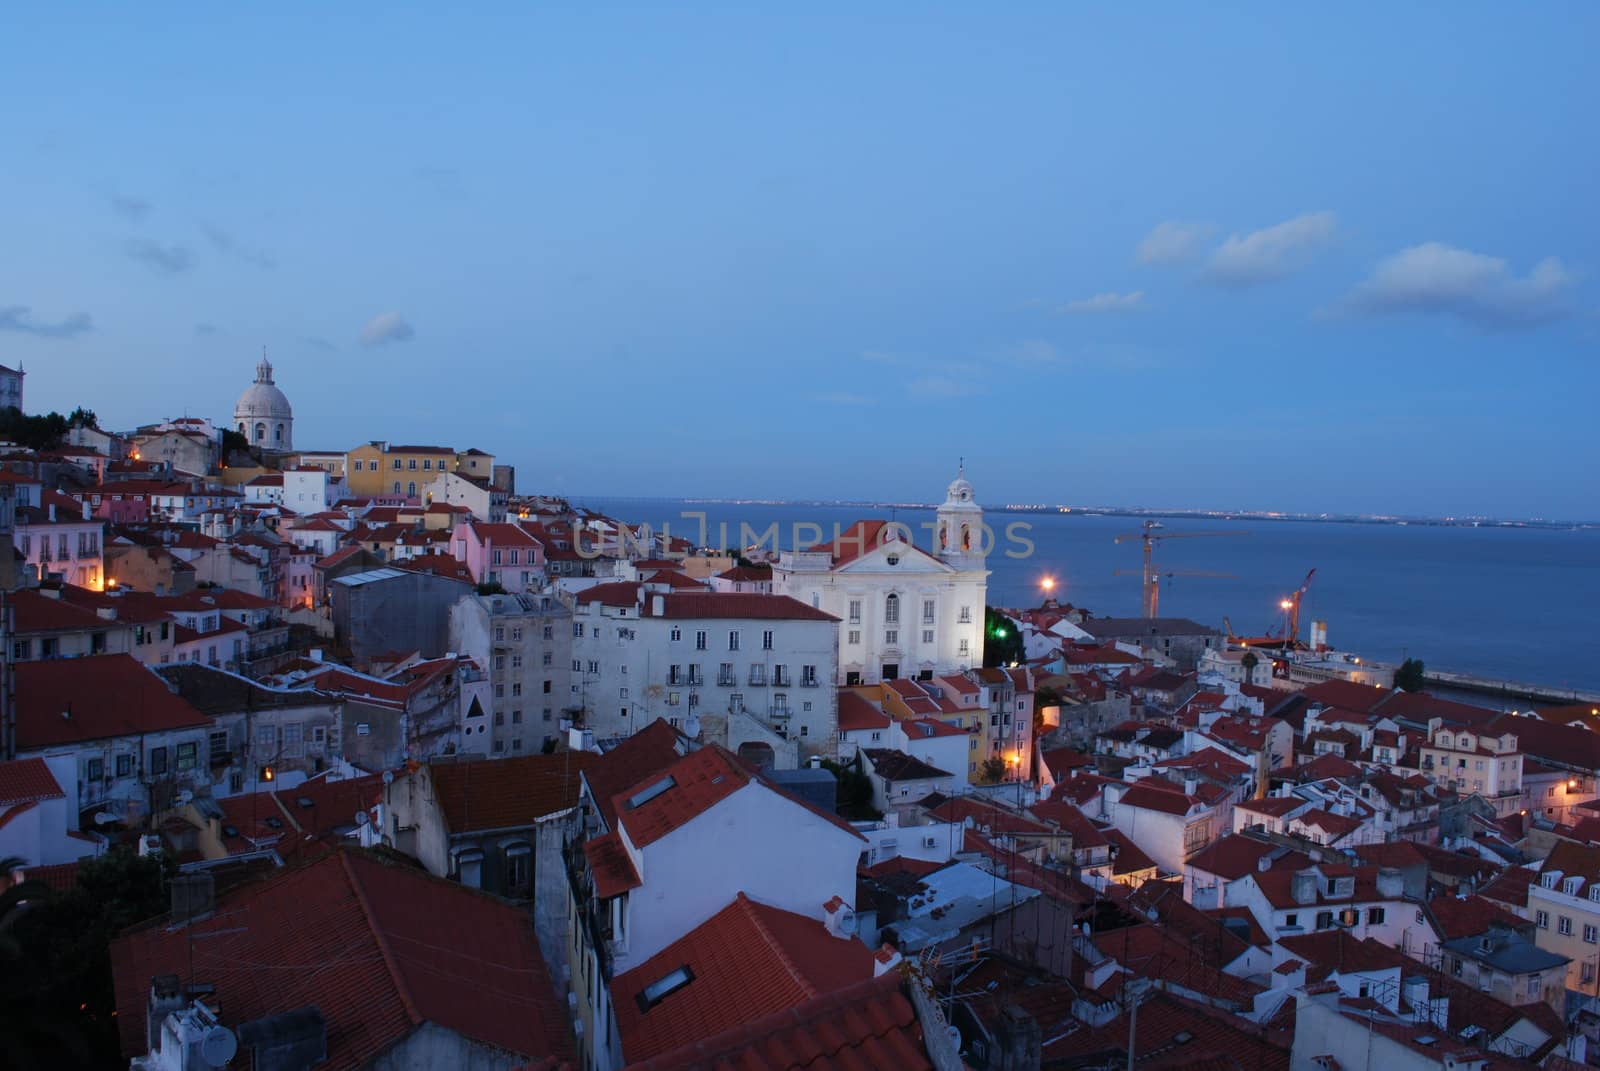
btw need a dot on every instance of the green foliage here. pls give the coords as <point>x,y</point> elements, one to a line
<point>1002,640</point>
<point>491,587</point>
<point>853,800</point>
<point>56,994</point>
<point>35,432</point>
<point>82,418</point>
<point>993,771</point>
<point>1408,677</point>
<point>233,442</point>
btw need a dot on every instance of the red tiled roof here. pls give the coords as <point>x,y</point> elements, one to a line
<point>1457,917</point>
<point>61,877</point>
<point>988,816</point>
<point>857,713</point>
<point>747,961</point>
<point>1152,952</point>
<point>1276,806</point>
<point>1208,760</point>
<point>746,607</point>
<point>700,780</point>
<point>380,948</point>
<point>1163,1018</point>
<point>616,593</point>
<point>1151,798</point>
<point>510,793</point>
<point>610,865</point>
<point>1130,857</point>
<point>672,578</point>
<point>860,538</point>
<point>1085,834</point>
<point>639,757</point>
<point>868,1025</point>
<point>1065,758</point>
<point>27,781</point>
<point>503,535</point>
<point>1234,856</point>
<point>68,700</point>
<point>902,864</point>
<point>38,612</point>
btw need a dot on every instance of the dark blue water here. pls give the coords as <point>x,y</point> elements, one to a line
<point>1511,603</point>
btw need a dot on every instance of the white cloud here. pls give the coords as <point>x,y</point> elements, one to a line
<point>1438,279</point>
<point>1173,242</point>
<point>386,327</point>
<point>931,387</point>
<point>1103,303</point>
<point>1272,252</point>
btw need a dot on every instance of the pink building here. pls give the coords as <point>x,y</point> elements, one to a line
<point>501,554</point>
<point>59,537</point>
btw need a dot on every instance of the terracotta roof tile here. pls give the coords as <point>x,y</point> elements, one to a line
<point>509,793</point>
<point>65,701</point>
<point>868,1025</point>
<point>613,871</point>
<point>699,781</point>
<point>747,961</point>
<point>380,948</point>
<point>639,757</point>
<point>857,713</point>
<point>27,781</point>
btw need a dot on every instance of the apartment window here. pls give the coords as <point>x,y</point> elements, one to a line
<point>808,676</point>
<point>758,675</point>
<point>780,676</point>
<point>428,465</point>
<point>1533,985</point>
<point>677,634</point>
<point>499,745</point>
<point>1374,916</point>
<point>891,637</point>
<point>516,661</point>
<point>700,640</point>
<point>496,556</point>
<point>674,674</point>
<point>547,683</point>
<point>412,488</point>
<point>516,715</point>
<point>516,688</point>
<point>1552,793</point>
<point>1564,925</point>
<point>1587,972</point>
<point>397,465</point>
<point>965,616</point>
<point>1589,933</point>
<point>964,647</point>
<point>927,635</point>
<point>1291,920</point>
<point>927,611</point>
<point>725,676</point>
<point>158,761</point>
<point>95,769</point>
<point>766,640</point>
<point>672,699</point>
<point>733,640</point>
<point>189,754</point>
<point>411,464</point>
<point>1541,919</point>
<point>124,765</point>
<point>1324,919</point>
<point>549,632</point>
<point>577,629</point>
<point>499,717</point>
<point>891,610</point>
<point>397,482</point>
<point>499,662</point>
<point>853,636</point>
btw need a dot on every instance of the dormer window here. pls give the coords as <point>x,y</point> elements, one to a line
<point>1548,880</point>
<point>1570,885</point>
<point>1594,891</point>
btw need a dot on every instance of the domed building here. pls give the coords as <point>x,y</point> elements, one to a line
<point>263,414</point>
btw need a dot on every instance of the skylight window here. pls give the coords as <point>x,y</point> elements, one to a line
<point>656,991</point>
<point>645,795</point>
<point>304,801</point>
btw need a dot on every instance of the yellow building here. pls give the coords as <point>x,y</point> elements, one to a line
<point>376,468</point>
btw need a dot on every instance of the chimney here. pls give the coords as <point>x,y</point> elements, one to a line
<point>166,997</point>
<point>839,918</point>
<point>1189,785</point>
<point>658,605</point>
<point>1391,885</point>
<point>885,960</point>
<point>1264,864</point>
<point>1303,887</point>
<point>1019,1040</point>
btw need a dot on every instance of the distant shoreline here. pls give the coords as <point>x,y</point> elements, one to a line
<point>1141,512</point>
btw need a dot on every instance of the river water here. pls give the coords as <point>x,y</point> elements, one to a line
<point>1514,603</point>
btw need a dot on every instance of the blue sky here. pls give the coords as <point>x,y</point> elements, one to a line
<point>1247,258</point>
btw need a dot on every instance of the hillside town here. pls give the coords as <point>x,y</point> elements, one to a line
<point>374,757</point>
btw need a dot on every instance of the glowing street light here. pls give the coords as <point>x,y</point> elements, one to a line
<point>1285,604</point>
<point>1048,583</point>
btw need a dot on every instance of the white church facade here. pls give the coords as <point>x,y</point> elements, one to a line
<point>904,611</point>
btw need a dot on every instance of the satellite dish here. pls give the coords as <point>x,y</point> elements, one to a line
<point>185,796</point>
<point>691,727</point>
<point>102,818</point>
<point>388,777</point>
<point>218,1046</point>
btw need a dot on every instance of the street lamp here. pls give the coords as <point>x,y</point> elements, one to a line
<point>1048,583</point>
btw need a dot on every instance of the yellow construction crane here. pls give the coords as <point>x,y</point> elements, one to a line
<point>1149,536</point>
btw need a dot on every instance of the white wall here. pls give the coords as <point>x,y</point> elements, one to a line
<point>755,841</point>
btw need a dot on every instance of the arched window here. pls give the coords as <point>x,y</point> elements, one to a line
<point>411,488</point>
<point>280,433</point>
<point>944,537</point>
<point>261,433</point>
<point>891,610</point>
<point>966,537</point>
<point>397,487</point>
<point>242,429</point>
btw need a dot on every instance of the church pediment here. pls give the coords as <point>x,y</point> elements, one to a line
<point>908,558</point>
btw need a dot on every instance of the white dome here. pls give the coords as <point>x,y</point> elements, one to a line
<point>263,401</point>
<point>960,490</point>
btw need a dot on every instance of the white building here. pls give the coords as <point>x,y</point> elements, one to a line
<point>524,642</point>
<point>752,672</point>
<point>309,489</point>
<point>38,827</point>
<point>263,414</point>
<point>905,612</point>
<point>673,849</point>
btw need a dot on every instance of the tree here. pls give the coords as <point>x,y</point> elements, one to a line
<point>491,587</point>
<point>994,770</point>
<point>56,1000</point>
<point>1249,662</point>
<point>1002,640</point>
<point>35,432</point>
<point>1408,678</point>
<point>82,418</point>
<point>853,798</point>
<point>234,443</point>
